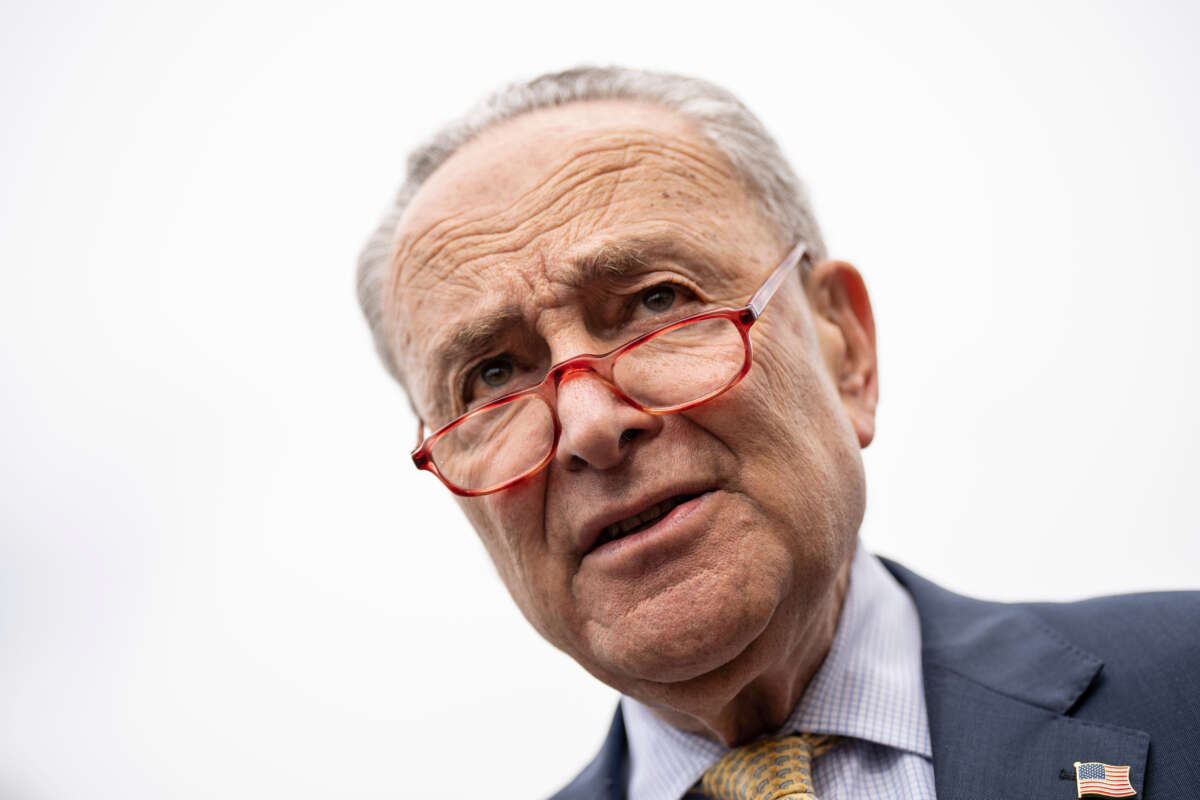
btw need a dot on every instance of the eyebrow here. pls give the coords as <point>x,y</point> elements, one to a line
<point>477,334</point>
<point>613,261</point>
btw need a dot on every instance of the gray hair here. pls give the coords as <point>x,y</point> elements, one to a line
<point>724,121</point>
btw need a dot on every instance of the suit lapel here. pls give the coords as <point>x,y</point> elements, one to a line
<point>998,684</point>
<point>607,776</point>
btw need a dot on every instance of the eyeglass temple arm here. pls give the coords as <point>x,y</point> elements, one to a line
<point>420,436</point>
<point>768,289</point>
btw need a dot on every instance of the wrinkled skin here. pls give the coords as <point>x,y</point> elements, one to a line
<point>720,626</point>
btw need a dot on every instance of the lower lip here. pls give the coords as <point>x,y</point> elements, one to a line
<point>672,526</point>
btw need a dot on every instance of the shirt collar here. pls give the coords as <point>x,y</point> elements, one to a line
<point>869,687</point>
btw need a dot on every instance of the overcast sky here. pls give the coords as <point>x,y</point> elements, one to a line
<point>219,573</point>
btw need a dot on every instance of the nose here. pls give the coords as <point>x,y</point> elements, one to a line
<point>599,430</point>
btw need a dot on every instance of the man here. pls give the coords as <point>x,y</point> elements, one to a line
<point>633,362</point>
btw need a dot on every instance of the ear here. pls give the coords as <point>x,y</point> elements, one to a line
<point>846,328</point>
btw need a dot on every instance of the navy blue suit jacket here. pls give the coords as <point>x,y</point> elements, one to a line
<point>1017,693</point>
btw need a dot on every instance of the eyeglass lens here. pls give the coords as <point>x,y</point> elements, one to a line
<point>672,369</point>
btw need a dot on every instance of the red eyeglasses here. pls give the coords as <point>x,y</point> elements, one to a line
<point>671,369</point>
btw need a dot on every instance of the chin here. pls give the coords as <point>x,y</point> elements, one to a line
<point>683,633</point>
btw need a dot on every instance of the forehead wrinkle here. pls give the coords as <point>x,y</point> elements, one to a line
<point>540,209</point>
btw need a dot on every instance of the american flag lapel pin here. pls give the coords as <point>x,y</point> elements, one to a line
<point>1093,779</point>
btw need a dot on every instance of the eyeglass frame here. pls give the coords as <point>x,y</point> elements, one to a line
<point>602,366</point>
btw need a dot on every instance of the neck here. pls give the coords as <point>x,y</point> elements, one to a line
<point>756,693</point>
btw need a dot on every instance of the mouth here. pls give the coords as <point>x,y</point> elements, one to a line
<point>642,520</point>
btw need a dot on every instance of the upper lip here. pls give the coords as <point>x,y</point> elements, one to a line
<point>595,525</point>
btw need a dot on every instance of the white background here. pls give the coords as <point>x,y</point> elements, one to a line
<point>219,574</point>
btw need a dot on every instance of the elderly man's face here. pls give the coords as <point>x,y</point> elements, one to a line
<point>560,232</point>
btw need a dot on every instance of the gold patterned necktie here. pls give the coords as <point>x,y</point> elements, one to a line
<point>769,769</point>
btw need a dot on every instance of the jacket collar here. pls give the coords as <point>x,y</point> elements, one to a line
<point>1003,647</point>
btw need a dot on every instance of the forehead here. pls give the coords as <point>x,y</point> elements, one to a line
<point>505,226</point>
<point>502,166</point>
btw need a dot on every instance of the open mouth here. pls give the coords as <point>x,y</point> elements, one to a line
<point>642,520</point>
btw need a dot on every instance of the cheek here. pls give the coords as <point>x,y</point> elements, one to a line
<point>511,526</point>
<point>786,404</point>
<point>798,456</point>
<point>795,390</point>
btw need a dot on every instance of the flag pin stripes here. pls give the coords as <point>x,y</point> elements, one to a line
<point>1093,779</point>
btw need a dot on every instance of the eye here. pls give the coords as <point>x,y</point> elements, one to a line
<point>659,298</point>
<point>496,372</point>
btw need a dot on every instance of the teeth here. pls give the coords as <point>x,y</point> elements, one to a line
<point>654,513</point>
<point>619,529</point>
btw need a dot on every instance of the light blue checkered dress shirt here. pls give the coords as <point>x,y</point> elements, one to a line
<point>869,690</point>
